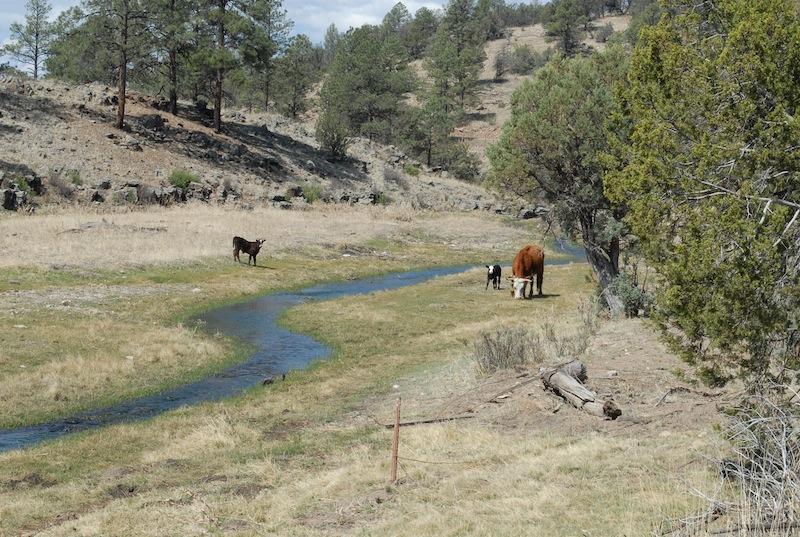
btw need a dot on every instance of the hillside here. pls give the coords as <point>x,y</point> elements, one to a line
<point>486,119</point>
<point>60,138</point>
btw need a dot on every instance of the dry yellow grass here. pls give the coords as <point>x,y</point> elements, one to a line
<point>114,240</point>
<point>305,457</point>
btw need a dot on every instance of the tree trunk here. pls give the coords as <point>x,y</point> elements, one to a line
<point>173,81</point>
<point>220,73</point>
<point>605,264</point>
<point>267,83</point>
<point>567,381</point>
<point>36,57</point>
<point>122,81</point>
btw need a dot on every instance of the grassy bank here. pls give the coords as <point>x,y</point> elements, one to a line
<point>101,310</point>
<point>306,456</point>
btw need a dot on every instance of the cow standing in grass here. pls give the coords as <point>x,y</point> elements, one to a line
<point>528,263</point>
<point>250,248</point>
<point>493,273</point>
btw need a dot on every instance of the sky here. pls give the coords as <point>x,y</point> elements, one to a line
<point>311,17</point>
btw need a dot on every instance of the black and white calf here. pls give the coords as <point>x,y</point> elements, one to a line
<point>493,275</point>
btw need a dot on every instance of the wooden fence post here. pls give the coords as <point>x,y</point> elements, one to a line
<point>395,443</point>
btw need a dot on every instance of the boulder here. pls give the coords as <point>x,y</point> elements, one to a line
<point>126,194</point>
<point>294,191</point>
<point>197,190</point>
<point>104,184</point>
<point>13,198</point>
<point>153,122</point>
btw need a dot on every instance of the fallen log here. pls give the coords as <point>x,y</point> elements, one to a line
<point>567,380</point>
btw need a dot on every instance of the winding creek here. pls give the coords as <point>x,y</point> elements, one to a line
<point>255,322</point>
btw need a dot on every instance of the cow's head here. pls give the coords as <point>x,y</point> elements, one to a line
<point>490,269</point>
<point>518,286</point>
<point>259,242</point>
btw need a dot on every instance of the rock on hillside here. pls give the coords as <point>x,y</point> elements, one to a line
<point>61,136</point>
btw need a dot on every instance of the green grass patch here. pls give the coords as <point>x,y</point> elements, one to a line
<point>181,178</point>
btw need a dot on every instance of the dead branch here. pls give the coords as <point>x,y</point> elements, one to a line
<point>566,381</point>
<point>684,389</point>
<point>429,420</point>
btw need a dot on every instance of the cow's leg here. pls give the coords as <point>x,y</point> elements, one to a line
<point>254,259</point>
<point>236,254</point>
<point>539,278</point>
<point>488,279</point>
<point>530,289</point>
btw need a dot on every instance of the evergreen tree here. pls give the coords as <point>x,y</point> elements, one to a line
<point>707,160</point>
<point>372,72</point>
<point>296,74</point>
<point>420,32</point>
<point>397,20</point>
<point>426,129</point>
<point>552,147</point>
<point>332,38</point>
<point>74,51</point>
<point>125,23</point>
<point>30,42</point>
<point>564,24</point>
<point>171,28</point>
<point>489,16</point>
<point>457,55</point>
<point>269,38</point>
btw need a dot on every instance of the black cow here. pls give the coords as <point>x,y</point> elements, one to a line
<point>250,248</point>
<point>493,275</point>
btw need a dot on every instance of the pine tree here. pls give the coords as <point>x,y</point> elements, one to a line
<point>420,32</point>
<point>30,43</point>
<point>373,71</point>
<point>564,23</point>
<point>457,55</point>
<point>296,74</point>
<point>270,38</point>
<point>126,22</point>
<point>172,32</point>
<point>332,38</point>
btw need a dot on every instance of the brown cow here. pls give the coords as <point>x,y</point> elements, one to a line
<point>528,263</point>
<point>250,248</point>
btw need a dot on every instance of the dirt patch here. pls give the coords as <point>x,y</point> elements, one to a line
<point>346,514</point>
<point>626,362</point>
<point>29,481</point>
<point>123,490</point>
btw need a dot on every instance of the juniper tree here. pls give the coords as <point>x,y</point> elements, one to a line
<point>551,148</point>
<point>707,159</point>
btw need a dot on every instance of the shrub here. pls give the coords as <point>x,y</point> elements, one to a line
<point>761,476</point>
<point>501,64</point>
<point>382,199</point>
<point>634,298</point>
<point>74,177</point>
<point>502,349</point>
<point>60,185</point>
<point>312,193</point>
<point>332,133</point>
<point>181,178</point>
<point>523,61</point>
<point>459,161</point>
<point>602,33</point>
<point>411,169</point>
<point>23,185</point>
<point>507,348</point>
